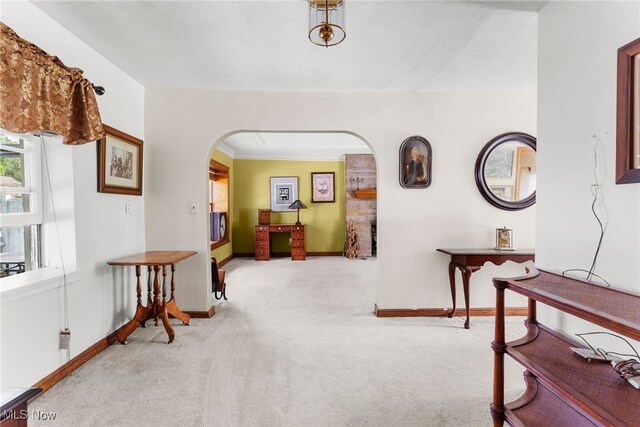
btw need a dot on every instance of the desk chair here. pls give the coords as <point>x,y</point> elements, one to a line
<point>217,281</point>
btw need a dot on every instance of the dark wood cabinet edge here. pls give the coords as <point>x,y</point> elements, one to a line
<point>18,403</point>
<point>443,312</point>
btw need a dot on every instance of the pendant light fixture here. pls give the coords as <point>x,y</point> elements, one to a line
<point>326,22</point>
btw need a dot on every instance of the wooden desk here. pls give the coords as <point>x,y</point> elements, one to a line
<point>298,240</point>
<point>469,261</point>
<point>156,307</point>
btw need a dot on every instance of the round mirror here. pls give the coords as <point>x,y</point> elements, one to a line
<point>506,171</point>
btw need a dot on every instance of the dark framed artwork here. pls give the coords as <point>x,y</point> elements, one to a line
<point>323,187</point>
<point>415,163</point>
<point>284,191</point>
<point>628,114</point>
<point>119,163</point>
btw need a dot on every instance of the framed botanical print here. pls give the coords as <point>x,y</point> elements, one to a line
<point>284,191</point>
<point>323,187</point>
<point>119,163</point>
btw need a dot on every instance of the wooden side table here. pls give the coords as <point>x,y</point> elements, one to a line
<point>469,261</point>
<point>156,307</point>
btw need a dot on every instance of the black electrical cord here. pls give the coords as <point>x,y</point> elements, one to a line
<point>596,189</point>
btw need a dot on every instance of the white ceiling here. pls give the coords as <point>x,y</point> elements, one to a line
<point>403,46</point>
<point>293,145</point>
<point>399,46</point>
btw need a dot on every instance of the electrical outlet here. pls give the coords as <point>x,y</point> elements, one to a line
<point>65,340</point>
<point>127,207</point>
<point>194,208</point>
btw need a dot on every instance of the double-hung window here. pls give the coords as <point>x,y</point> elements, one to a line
<point>20,203</point>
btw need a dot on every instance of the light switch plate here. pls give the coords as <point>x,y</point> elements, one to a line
<point>127,207</point>
<point>194,208</point>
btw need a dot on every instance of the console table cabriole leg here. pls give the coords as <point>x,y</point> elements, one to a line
<point>466,277</point>
<point>499,348</point>
<point>452,284</point>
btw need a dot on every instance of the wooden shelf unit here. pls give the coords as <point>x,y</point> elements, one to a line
<point>563,388</point>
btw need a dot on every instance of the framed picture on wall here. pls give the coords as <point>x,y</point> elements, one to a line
<point>323,187</point>
<point>119,163</point>
<point>284,191</point>
<point>415,163</point>
<point>628,114</point>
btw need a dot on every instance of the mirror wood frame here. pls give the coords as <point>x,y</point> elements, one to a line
<point>481,182</point>
<point>626,169</point>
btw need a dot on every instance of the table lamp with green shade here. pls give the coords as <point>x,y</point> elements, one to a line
<point>297,205</point>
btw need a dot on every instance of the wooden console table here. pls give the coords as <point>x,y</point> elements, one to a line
<point>156,307</point>
<point>263,240</point>
<point>564,389</point>
<point>469,261</point>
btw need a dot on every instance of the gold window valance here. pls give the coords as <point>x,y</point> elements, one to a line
<point>38,92</point>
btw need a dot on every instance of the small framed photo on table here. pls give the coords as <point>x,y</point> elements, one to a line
<point>119,163</point>
<point>323,187</point>
<point>284,191</point>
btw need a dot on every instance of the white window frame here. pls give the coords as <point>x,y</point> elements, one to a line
<point>32,185</point>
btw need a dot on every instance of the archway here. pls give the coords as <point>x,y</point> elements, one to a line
<point>254,157</point>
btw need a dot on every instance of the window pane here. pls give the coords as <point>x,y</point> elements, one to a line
<point>19,249</point>
<point>11,141</point>
<point>11,169</point>
<point>14,203</point>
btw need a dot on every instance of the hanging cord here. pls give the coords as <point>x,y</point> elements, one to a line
<point>55,221</point>
<point>598,201</point>
<point>604,353</point>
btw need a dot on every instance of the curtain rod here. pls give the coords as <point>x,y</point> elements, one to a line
<point>99,90</point>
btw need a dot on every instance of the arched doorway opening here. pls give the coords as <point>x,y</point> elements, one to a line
<point>333,174</point>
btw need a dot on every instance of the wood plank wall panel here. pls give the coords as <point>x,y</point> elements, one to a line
<point>363,212</point>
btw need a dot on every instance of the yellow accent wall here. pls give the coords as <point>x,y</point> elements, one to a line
<point>226,250</point>
<point>325,222</point>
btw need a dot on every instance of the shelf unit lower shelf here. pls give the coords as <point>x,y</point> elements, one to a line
<point>592,388</point>
<point>564,389</point>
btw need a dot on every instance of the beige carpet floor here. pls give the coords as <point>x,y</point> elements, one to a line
<point>297,344</point>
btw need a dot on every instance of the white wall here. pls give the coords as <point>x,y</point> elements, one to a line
<point>578,44</point>
<point>182,125</point>
<point>103,298</point>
